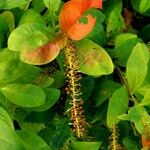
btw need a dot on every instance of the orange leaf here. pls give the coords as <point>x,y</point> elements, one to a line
<point>145,142</point>
<point>44,54</point>
<point>70,15</point>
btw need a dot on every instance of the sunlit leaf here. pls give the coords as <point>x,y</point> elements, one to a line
<point>9,139</point>
<point>139,116</point>
<point>93,59</point>
<point>118,105</point>
<point>137,66</point>
<point>28,37</point>
<point>31,16</point>
<point>25,95</point>
<point>44,54</point>
<point>9,4</point>
<point>53,5</point>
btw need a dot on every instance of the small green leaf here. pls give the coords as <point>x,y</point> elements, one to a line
<point>142,6</point>
<point>118,104</point>
<point>25,95</point>
<point>139,116</point>
<point>85,145</point>
<point>9,18</point>
<point>137,66</point>
<point>123,47</point>
<point>53,5</point>
<point>93,59</point>
<point>114,19</point>
<point>28,37</point>
<point>146,99</point>
<point>32,141</point>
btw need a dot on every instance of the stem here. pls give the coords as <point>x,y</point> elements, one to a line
<point>125,82</point>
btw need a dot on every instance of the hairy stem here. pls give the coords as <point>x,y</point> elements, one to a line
<point>114,140</point>
<point>74,91</point>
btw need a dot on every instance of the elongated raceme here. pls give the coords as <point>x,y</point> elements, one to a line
<point>114,139</point>
<point>74,91</point>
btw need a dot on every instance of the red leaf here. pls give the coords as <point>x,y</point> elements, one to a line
<point>70,15</point>
<point>44,54</point>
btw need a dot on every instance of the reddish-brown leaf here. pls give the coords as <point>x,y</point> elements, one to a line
<point>44,54</point>
<point>145,141</point>
<point>70,15</point>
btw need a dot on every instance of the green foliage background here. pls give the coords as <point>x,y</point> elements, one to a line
<point>115,79</point>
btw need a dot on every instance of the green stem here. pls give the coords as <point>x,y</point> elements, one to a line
<point>125,82</point>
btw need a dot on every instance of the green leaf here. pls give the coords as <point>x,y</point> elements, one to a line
<point>130,144</point>
<point>32,141</point>
<point>142,6</point>
<point>145,31</point>
<point>9,139</point>
<point>85,145</point>
<point>93,59</point>
<point>146,99</point>
<point>38,5</point>
<point>114,19</point>
<point>103,90</point>
<point>4,25</point>
<point>4,116</point>
<point>9,18</point>
<point>52,5</point>
<point>12,69</point>
<point>118,104</point>
<point>25,95</point>
<point>52,95</point>
<point>31,16</point>
<point>9,4</point>
<point>137,66</point>
<point>123,47</point>
<point>139,116</point>
<point>28,37</point>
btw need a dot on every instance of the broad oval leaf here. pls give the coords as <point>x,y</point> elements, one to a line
<point>71,14</point>
<point>9,139</point>
<point>32,141</point>
<point>45,53</point>
<point>25,95</point>
<point>118,104</point>
<point>28,37</point>
<point>52,95</point>
<point>93,59</point>
<point>137,66</point>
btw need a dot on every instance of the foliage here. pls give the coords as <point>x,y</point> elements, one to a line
<point>74,75</point>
